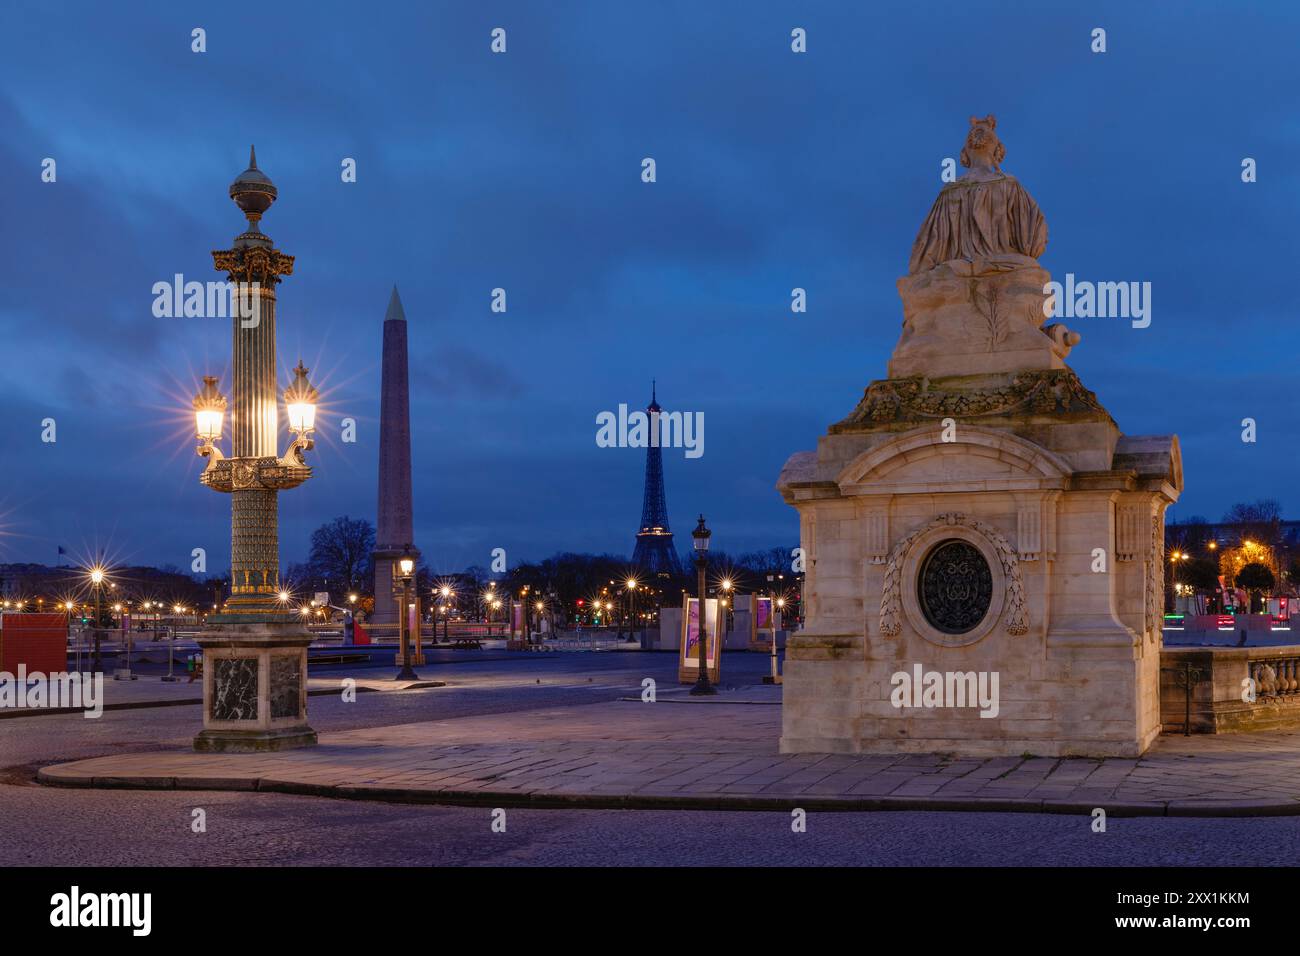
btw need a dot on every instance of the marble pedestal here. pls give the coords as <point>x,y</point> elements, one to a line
<point>1029,475</point>
<point>254,687</point>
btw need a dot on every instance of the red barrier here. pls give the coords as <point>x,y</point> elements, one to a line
<point>359,633</point>
<point>39,641</point>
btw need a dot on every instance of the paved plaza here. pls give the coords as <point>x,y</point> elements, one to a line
<point>497,709</point>
<point>719,753</point>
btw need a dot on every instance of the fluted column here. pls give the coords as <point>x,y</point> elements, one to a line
<point>255,268</point>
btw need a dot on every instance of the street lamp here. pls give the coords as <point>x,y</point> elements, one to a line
<point>701,536</point>
<point>775,676</point>
<point>124,673</point>
<point>1174,558</point>
<point>631,585</point>
<point>209,413</point>
<point>97,581</point>
<point>445,591</point>
<point>255,632</point>
<point>727,586</point>
<point>170,677</point>
<point>300,400</point>
<point>405,568</point>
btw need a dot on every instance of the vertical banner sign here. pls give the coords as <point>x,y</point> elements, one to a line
<point>515,640</point>
<point>413,629</point>
<point>688,663</point>
<point>761,626</point>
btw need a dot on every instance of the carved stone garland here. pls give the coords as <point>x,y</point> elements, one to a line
<point>915,399</point>
<point>1155,603</point>
<point>1017,615</point>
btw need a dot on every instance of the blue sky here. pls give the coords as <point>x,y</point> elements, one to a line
<point>522,171</point>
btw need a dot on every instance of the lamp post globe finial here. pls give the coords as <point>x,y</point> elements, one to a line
<point>252,191</point>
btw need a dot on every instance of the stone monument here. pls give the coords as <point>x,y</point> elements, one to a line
<point>978,526</point>
<point>395,532</point>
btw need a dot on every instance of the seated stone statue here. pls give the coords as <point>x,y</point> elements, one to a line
<point>975,295</point>
<point>982,218</point>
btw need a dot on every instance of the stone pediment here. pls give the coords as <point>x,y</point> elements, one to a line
<point>1156,457</point>
<point>978,459</point>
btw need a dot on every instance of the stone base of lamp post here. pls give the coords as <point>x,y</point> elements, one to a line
<point>254,687</point>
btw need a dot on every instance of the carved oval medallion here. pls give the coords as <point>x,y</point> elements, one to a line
<point>955,587</point>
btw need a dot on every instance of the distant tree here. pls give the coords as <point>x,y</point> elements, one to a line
<point>1255,578</point>
<point>1259,521</point>
<point>341,553</point>
<point>1201,573</point>
<point>1191,535</point>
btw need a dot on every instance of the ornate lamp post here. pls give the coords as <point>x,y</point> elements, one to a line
<point>255,649</point>
<point>701,536</point>
<point>406,567</point>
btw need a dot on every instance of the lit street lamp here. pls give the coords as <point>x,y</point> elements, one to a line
<point>775,676</point>
<point>97,582</point>
<point>445,591</point>
<point>631,606</point>
<point>727,586</point>
<point>255,649</point>
<point>406,567</point>
<point>124,673</point>
<point>701,536</point>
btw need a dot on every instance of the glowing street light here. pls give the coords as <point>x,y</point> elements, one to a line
<point>700,538</point>
<point>253,472</point>
<point>406,567</point>
<point>209,415</point>
<point>446,592</point>
<point>96,573</point>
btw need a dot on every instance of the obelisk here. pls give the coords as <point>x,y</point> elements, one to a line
<point>395,532</point>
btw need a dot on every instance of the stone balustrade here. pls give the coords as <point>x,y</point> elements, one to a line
<point>1213,690</point>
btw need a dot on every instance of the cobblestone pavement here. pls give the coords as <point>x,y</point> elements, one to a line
<point>518,704</point>
<point>48,826</point>
<point>712,754</point>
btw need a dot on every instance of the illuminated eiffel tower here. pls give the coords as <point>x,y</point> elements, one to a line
<point>654,552</point>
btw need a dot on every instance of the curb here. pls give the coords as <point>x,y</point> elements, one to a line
<point>554,801</point>
<point>146,704</point>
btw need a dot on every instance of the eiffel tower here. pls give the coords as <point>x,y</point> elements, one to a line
<point>654,552</point>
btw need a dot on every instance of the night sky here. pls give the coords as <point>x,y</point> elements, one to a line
<point>522,171</point>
